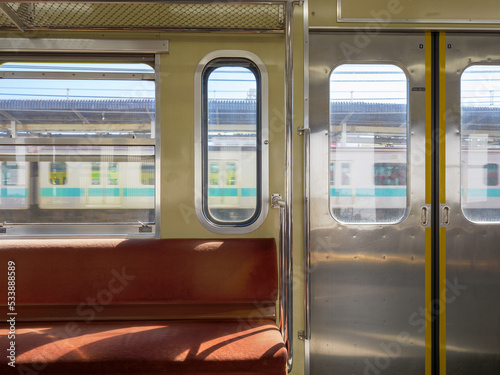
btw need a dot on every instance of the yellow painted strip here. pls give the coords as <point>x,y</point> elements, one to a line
<point>428,117</point>
<point>442,294</point>
<point>442,117</point>
<point>428,301</point>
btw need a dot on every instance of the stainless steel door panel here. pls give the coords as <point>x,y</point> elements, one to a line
<point>367,280</point>
<point>472,252</point>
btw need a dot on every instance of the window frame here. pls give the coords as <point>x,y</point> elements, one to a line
<point>202,174</point>
<point>467,208</point>
<point>331,159</point>
<point>93,53</point>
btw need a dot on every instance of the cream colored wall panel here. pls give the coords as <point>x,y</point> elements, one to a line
<point>177,96</point>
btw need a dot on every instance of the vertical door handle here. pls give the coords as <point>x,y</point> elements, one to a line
<point>424,215</point>
<point>446,215</point>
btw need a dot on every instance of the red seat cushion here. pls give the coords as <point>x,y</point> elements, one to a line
<point>163,347</point>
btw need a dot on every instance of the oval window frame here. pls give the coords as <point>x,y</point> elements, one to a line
<point>262,207</point>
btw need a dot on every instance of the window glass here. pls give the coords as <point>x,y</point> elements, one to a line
<point>42,101</point>
<point>214,173</point>
<point>480,142</point>
<point>332,174</point>
<point>346,174</point>
<point>13,187</point>
<point>231,135</point>
<point>63,176</point>
<point>113,174</point>
<point>389,174</point>
<point>231,173</point>
<point>96,173</point>
<point>491,174</point>
<point>9,173</point>
<point>369,141</point>
<point>148,173</point>
<point>58,173</point>
<point>64,193</point>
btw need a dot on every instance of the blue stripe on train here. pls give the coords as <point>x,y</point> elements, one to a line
<point>481,193</point>
<point>231,192</point>
<point>97,192</point>
<point>218,192</point>
<point>104,192</point>
<point>62,192</point>
<point>370,192</point>
<point>13,192</point>
<point>139,192</point>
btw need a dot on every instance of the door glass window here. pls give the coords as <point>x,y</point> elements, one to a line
<point>231,131</point>
<point>369,140</point>
<point>480,146</point>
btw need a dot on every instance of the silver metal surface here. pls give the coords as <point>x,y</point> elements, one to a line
<point>288,224</point>
<point>307,189</point>
<point>367,280</point>
<point>445,215</point>
<point>78,76</point>
<point>277,201</point>
<point>472,256</point>
<point>425,216</point>
<point>156,135</point>
<point>83,45</point>
<point>78,141</point>
<point>198,150</point>
<point>34,231</point>
<point>306,132</point>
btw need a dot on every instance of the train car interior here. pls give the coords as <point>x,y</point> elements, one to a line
<point>306,187</point>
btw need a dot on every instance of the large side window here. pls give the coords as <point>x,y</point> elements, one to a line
<point>78,138</point>
<point>368,143</point>
<point>480,111</point>
<point>232,131</point>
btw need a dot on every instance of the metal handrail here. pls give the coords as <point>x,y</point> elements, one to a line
<point>306,132</point>
<point>285,303</point>
<point>288,226</point>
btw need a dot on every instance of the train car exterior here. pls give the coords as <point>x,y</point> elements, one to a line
<point>95,185</point>
<point>360,136</point>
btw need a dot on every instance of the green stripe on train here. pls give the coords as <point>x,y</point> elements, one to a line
<point>139,192</point>
<point>370,192</point>
<point>13,192</point>
<point>232,192</point>
<point>97,192</point>
<point>481,193</point>
<point>62,192</point>
<point>104,192</point>
<point>218,192</point>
